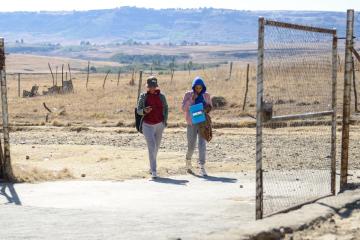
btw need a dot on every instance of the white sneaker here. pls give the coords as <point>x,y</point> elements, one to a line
<point>154,175</point>
<point>188,166</point>
<point>203,171</point>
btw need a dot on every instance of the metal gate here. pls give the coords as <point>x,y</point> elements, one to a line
<point>296,116</point>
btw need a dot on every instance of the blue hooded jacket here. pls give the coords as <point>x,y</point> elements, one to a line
<point>200,98</point>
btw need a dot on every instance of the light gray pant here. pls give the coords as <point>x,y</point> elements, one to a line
<point>192,135</point>
<point>153,135</point>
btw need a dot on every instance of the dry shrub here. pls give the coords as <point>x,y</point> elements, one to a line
<point>32,174</point>
<point>57,123</point>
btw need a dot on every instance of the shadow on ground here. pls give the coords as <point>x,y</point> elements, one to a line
<point>215,179</point>
<point>170,181</point>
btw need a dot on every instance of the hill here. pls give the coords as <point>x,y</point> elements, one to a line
<point>207,25</point>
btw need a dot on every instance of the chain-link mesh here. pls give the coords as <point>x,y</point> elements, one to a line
<point>296,154</point>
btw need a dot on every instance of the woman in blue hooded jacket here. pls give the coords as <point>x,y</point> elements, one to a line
<point>196,96</point>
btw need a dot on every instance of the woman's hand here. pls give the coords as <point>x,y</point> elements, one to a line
<point>148,109</point>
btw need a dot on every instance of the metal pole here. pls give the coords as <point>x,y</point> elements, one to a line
<point>259,100</point>
<point>333,126</point>
<point>7,169</point>
<point>19,94</point>
<point>347,100</point>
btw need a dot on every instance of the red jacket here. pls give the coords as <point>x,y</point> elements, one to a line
<point>156,115</point>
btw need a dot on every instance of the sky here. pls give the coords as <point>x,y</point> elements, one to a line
<point>69,5</point>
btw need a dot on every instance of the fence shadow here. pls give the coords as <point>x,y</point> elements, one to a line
<point>11,195</point>
<point>346,211</point>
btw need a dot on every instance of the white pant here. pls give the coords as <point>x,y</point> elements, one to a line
<point>153,135</point>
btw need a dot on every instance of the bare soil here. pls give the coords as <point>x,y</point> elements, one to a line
<point>343,225</point>
<point>100,153</point>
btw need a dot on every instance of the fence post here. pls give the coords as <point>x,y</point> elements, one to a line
<point>105,79</point>
<point>333,127</point>
<point>140,83</point>
<point>347,100</point>
<point>259,100</point>
<point>69,72</point>
<point>231,67</point>
<point>19,93</point>
<point>52,75</point>
<point>7,168</point>
<point>172,75</point>
<point>88,72</point>
<point>354,84</point>
<point>62,76</point>
<point>56,75</point>
<point>247,86</point>
<point>118,79</point>
<point>132,81</point>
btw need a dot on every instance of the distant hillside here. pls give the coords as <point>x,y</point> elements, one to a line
<point>208,25</point>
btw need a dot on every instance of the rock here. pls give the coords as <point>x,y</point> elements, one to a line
<point>241,186</point>
<point>218,102</point>
<point>27,157</point>
<point>83,175</point>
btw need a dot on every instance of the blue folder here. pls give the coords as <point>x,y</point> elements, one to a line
<point>197,113</point>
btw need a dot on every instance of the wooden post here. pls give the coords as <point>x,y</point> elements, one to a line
<point>333,125</point>
<point>56,75</point>
<point>66,76</point>
<point>247,86</point>
<point>52,75</point>
<point>88,72</point>
<point>355,89</point>
<point>172,75</point>
<point>19,87</point>
<point>118,79</point>
<point>139,87</point>
<point>259,105</point>
<point>62,76</point>
<point>132,81</point>
<point>105,79</point>
<point>69,71</point>
<point>7,168</point>
<point>230,71</point>
<point>347,100</point>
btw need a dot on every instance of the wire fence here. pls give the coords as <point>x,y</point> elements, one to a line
<point>298,92</point>
<point>109,98</point>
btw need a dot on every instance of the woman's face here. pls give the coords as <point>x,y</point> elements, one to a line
<point>198,89</point>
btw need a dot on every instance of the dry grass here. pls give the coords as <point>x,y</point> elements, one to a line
<point>26,173</point>
<point>115,105</point>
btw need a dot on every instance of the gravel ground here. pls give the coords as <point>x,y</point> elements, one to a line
<point>342,226</point>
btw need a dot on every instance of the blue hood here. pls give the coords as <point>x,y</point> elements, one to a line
<point>199,81</point>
